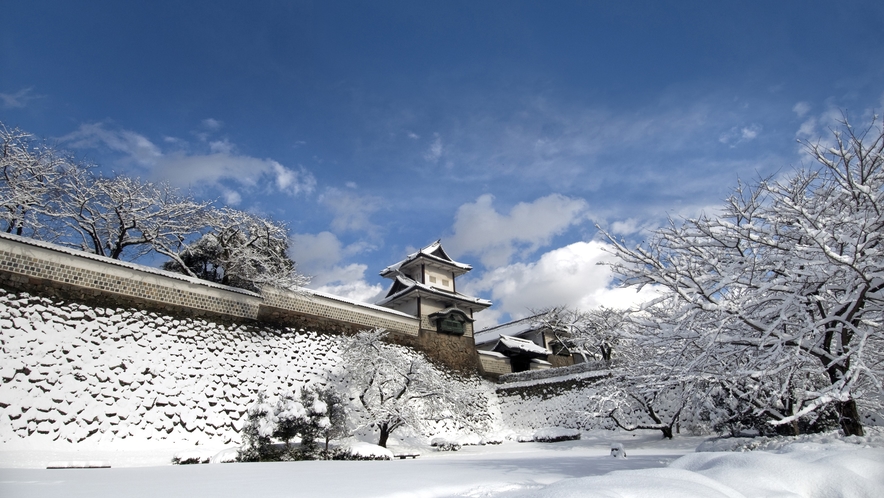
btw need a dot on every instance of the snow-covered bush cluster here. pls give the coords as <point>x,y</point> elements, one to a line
<point>75,373</point>
<point>555,434</point>
<point>317,415</point>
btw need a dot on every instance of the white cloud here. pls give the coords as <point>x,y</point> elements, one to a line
<point>18,99</point>
<point>801,108</point>
<point>189,169</point>
<point>221,147</point>
<point>434,153</point>
<point>352,212</point>
<point>819,126</point>
<point>738,135</point>
<point>231,197</point>
<point>212,124</point>
<point>628,227</point>
<point>569,275</point>
<point>319,255</point>
<point>313,252</point>
<point>135,146</point>
<point>359,290</point>
<point>412,135</point>
<point>479,229</point>
<point>749,132</point>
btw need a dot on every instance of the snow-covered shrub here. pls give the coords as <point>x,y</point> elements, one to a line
<point>308,418</point>
<point>443,444</point>
<point>361,451</point>
<point>555,434</point>
<point>491,440</point>
<point>289,419</point>
<point>190,457</point>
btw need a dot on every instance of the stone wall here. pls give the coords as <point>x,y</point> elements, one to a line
<point>48,269</point>
<point>494,364</point>
<point>560,361</point>
<point>43,268</point>
<point>457,352</point>
<point>77,373</point>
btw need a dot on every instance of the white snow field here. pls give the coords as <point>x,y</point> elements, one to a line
<point>828,468</point>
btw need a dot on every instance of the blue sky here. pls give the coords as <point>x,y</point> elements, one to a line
<point>508,129</point>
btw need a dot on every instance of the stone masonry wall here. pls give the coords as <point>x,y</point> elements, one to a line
<point>47,269</point>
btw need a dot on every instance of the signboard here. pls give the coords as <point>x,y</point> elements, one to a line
<point>451,326</point>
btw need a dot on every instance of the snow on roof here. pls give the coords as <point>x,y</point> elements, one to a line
<point>491,353</point>
<point>523,345</point>
<point>353,302</point>
<point>514,328</point>
<point>434,252</point>
<point>411,285</point>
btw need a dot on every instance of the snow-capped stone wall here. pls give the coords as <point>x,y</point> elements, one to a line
<point>73,373</point>
<point>40,267</point>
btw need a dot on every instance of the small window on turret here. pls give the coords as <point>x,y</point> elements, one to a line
<point>432,280</point>
<point>445,282</point>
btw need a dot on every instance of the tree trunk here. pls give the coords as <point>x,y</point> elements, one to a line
<point>385,433</point>
<point>848,414</point>
<point>667,432</point>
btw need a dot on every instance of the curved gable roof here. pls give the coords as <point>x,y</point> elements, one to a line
<point>433,253</point>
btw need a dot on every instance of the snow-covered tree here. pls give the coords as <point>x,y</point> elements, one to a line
<point>399,389</point>
<point>122,216</point>
<point>46,195</point>
<point>791,274</point>
<point>242,250</point>
<point>592,334</point>
<point>651,382</point>
<point>30,184</point>
<point>335,414</point>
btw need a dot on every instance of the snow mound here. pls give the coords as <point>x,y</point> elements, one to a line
<point>798,470</point>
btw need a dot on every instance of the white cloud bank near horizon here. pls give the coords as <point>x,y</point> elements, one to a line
<point>574,275</point>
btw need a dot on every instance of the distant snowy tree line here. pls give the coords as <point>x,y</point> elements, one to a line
<point>48,195</point>
<point>769,313</point>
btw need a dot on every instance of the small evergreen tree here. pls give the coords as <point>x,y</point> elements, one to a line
<point>291,418</point>
<point>336,414</point>
<point>257,431</point>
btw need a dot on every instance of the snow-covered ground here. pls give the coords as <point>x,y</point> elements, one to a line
<point>130,389</point>
<point>812,467</point>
